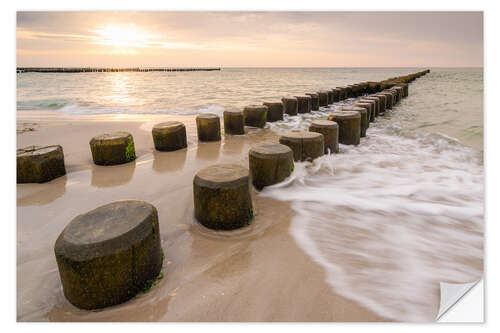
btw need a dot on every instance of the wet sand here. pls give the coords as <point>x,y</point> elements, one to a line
<point>254,274</point>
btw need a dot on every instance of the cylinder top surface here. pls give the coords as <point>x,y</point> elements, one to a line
<point>301,135</point>
<point>255,107</point>
<point>270,149</point>
<point>222,174</point>
<point>347,114</point>
<point>107,222</point>
<point>167,124</point>
<point>272,103</point>
<point>233,111</point>
<point>312,94</point>
<point>352,108</point>
<point>111,136</point>
<point>302,96</point>
<point>36,150</point>
<point>324,123</point>
<point>207,116</point>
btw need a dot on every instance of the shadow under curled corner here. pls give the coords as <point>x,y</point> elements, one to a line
<point>455,299</point>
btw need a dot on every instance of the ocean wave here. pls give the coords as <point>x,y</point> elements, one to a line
<point>390,219</point>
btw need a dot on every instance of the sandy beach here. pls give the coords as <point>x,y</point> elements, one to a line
<point>254,274</point>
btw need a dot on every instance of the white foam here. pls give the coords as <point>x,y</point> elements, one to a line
<point>390,219</point>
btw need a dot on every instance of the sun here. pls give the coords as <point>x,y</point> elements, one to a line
<point>122,36</point>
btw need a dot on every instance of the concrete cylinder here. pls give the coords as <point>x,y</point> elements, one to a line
<point>377,101</point>
<point>306,146</point>
<point>275,111</point>
<point>108,255</point>
<point>365,123</point>
<point>373,110</point>
<point>349,126</point>
<point>333,96</point>
<point>290,105</point>
<point>330,131</point>
<point>270,164</point>
<point>368,107</point>
<point>112,148</point>
<point>208,127</point>
<point>342,93</point>
<point>222,198</point>
<point>323,98</point>
<point>255,115</point>
<point>169,136</point>
<point>383,103</point>
<point>388,99</point>
<point>234,122</point>
<point>304,104</point>
<point>314,101</point>
<point>39,164</point>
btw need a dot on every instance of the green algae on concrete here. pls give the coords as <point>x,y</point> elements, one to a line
<point>222,199</point>
<point>330,131</point>
<point>112,148</point>
<point>269,164</point>
<point>368,107</point>
<point>365,122</point>
<point>234,122</point>
<point>108,255</point>
<point>255,115</point>
<point>304,104</point>
<point>290,105</point>
<point>274,112</point>
<point>314,101</point>
<point>306,146</point>
<point>349,126</point>
<point>208,127</point>
<point>36,164</point>
<point>323,98</point>
<point>169,136</point>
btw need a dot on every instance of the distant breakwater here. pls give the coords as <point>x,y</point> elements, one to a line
<point>108,69</point>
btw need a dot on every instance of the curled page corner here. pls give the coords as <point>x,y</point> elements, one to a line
<point>451,293</point>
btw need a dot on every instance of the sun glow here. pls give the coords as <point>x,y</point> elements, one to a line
<point>125,36</point>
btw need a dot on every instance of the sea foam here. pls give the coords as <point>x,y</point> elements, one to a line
<point>390,219</point>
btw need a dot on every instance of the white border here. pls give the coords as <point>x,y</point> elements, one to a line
<point>492,115</point>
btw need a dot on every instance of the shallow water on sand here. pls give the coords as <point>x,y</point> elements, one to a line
<point>387,220</point>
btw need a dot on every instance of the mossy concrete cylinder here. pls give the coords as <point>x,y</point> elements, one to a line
<point>365,122</point>
<point>342,93</point>
<point>388,99</point>
<point>377,101</point>
<point>368,107</point>
<point>304,104</point>
<point>108,255</point>
<point>330,96</point>
<point>383,103</point>
<point>290,105</point>
<point>169,136</point>
<point>306,146</point>
<point>349,126</point>
<point>39,164</point>
<point>330,131</point>
<point>314,101</point>
<point>208,127</point>
<point>373,109</point>
<point>270,164</point>
<point>335,95</point>
<point>234,122</point>
<point>112,148</point>
<point>255,115</point>
<point>222,198</point>
<point>323,98</point>
<point>275,111</point>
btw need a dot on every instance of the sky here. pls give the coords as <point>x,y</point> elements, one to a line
<point>249,39</point>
